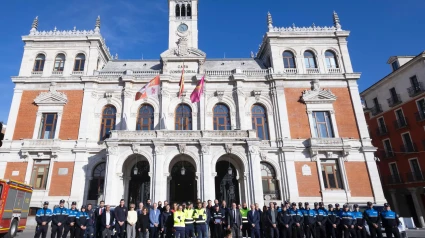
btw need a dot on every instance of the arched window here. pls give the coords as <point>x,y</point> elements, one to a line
<point>189,10</point>
<point>288,60</point>
<point>59,63</point>
<point>97,183</point>
<point>108,121</point>
<point>80,60</point>
<point>270,185</point>
<point>259,121</point>
<point>145,120</point>
<point>331,60</point>
<point>39,63</point>
<point>183,119</point>
<point>183,10</point>
<point>221,117</point>
<point>177,10</point>
<point>309,59</point>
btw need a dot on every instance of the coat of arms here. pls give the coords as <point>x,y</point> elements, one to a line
<point>182,48</point>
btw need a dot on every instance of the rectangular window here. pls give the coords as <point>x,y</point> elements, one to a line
<point>322,125</point>
<point>394,169</point>
<point>415,83</point>
<point>394,94</point>
<point>421,109</point>
<point>375,102</point>
<point>388,148</point>
<point>414,166</point>
<point>40,171</point>
<point>408,144</point>
<point>395,65</point>
<point>331,174</point>
<point>381,124</point>
<point>47,126</point>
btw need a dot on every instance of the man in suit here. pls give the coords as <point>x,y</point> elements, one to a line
<point>234,221</point>
<point>272,220</point>
<point>107,222</point>
<point>154,215</point>
<point>254,222</point>
<point>98,215</point>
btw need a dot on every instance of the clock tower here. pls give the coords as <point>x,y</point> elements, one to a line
<point>183,23</point>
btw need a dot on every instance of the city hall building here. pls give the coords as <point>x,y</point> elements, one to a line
<point>285,124</point>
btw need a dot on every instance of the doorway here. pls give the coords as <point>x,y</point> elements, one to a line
<point>226,185</point>
<point>183,185</point>
<point>140,183</point>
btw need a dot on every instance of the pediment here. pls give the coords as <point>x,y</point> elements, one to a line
<point>52,97</point>
<point>318,96</point>
<point>187,53</point>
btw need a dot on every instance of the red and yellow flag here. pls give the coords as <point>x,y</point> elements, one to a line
<point>181,84</point>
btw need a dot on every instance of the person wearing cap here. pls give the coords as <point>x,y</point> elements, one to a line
<point>285,222</point>
<point>390,221</point>
<point>82,220</point>
<point>333,222</point>
<point>309,221</point>
<point>360,229</point>
<point>348,222</point>
<point>188,222</point>
<point>70,222</point>
<point>217,221</point>
<point>297,221</point>
<point>338,211</point>
<point>300,207</point>
<point>60,215</point>
<point>321,219</point>
<point>121,213</point>
<point>179,226</point>
<point>272,221</point>
<point>43,217</point>
<point>246,231</point>
<point>373,220</point>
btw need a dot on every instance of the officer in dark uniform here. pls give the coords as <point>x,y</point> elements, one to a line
<point>347,222</point>
<point>70,222</point>
<point>81,219</point>
<point>338,211</point>
<point>297,221</point>
<point>120,213</point>
<point>285,222</point>
<point>59,218</point>
<point>333,222</point>
<point>43,217</point>
<point>390,222</point>
<point>309,221</point>
<point>91,225</point>
<point>359,227</point>
<point>321,219</point>
<point>373,220</point>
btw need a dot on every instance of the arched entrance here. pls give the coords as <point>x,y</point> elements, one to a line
<point>137,181</point>
<point>183,184</point>
<point>226,184</point>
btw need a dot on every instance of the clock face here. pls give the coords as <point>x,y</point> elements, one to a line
<point>182,28</point>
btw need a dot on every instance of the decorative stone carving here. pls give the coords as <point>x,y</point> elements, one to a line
<point>52,97</point>
<point>263,155</point>
<point>113,150</point>
<point>182,47</point>
<point>128,94</point>
<point>25,155</point>
<point>108,97</point>
<point>228,148</point>
<point>136,148</point>
<point>329,155</point>
<point>54,155</point>
<point>317,95</point>
<point>219,95</point>
<point>205,148</point>
<point>257,95</point>
<point>159,149</point>
<point>94,95</point>
<point>182,148</point>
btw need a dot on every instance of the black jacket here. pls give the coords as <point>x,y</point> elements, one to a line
<point>103,220</point>
<point>121,213</point>
<point>285,219</point>
<point>142,222</point>
<point>97,216</point>
<point>59,215</point>
<point>166,220</point>
<point>333,218</point>
<point>269,217</point>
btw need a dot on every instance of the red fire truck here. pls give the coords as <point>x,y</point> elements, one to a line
<point>15,198</point>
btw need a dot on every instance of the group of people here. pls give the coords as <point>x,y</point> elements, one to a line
<point>204,219</point>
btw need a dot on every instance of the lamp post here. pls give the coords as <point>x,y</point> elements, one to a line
<point>229,170</point>
<point>183,170</point>
<point>136,170</point>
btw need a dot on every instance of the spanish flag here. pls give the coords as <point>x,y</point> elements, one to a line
<point>181,84</point>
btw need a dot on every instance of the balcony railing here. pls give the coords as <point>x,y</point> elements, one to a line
<point>415,90</point>
<point>37,72</point>
<point>394,179</point>
<point>381,130</point>
<point>415,176</point>
<point>313,71</point>
<point>57,72</point>
<point>420,116</point>
<point>334,70</point>
<point>401,122</point>
<point>291,71</point>
<point>376,109</point>
<point>77,72</point>
<point>410,148</point>
<point>394,100</point>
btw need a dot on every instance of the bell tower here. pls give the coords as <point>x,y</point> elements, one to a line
<point>183,23</point>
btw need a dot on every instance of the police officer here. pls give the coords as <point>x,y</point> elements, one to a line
<point>347,222</point>
<point>91,223</point>
<point>390,221</point>
<point>309,221</point>
<point>359,227</point>
<point>245,225</point>
<point>60,215</point>
<point>43,217</point>
<point>300,206</point>
<point>179,225</point>
<point>333,222</point>
<point>373,220</point>
<point>188,222</point>
<point>321,219</point>
<point>200,218</point>
<point>285,223</point>
<point>217,221</point>
<point>338,211</point>
<point>81,219</point>
<point>70,222</point>
<point>297,221</point>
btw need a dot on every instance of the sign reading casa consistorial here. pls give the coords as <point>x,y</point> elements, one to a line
<point>285,123</point>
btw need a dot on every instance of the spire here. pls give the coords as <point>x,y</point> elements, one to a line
<point>34,25</point>
<point>116,56</point>
<point>97,26</point>
<point>337,23</point>
<point>269,21</point>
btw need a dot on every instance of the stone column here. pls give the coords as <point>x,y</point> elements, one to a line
<point>417,201</point>
<point>112,178</point>
<point>255,174</point>
<point>159,179</point>
<point>240,107</point>
<point>126,181</point>
<point>207,173</point>
<point>394,200</point>
<point>30,162</point>
<point>128,99</point>
<point>79,177</point>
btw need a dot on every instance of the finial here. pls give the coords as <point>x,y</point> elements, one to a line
<point>337,23</point>
<point>116,56</point>
<point>252,54</point>
<point>34,26</point>
<point>75,28</point>
<point>55,29</point>
<point>97,26</point>
<point>269,21</point>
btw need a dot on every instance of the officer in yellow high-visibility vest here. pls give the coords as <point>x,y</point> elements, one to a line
<point>200,217</point>
<point>246,231</point>
<point>179,226</point>
<point>188,222</point>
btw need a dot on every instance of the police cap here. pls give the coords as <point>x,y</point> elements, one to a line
<point>286,202</point>
<point>46,203</point>
<point>83,207</point>
<point>321,204</point>
<point>369,203</point>
<point>61,201</point>
<point>345,206</point>
<point>74,203</point>
<point>336,204</point>
<point>316,204</point>
<point>386,204</point>
<point>306,204</point>
<point>300,204</point>
<point>293,204</point>
<point>330,205</point>
<point>356,205</point>
<point>189,203</point>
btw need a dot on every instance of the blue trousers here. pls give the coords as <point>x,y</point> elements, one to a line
<point>180,232</point>
<point>189,230</point>
<point>255,232</point>
<point>207,230</point>
<point>201,231</point>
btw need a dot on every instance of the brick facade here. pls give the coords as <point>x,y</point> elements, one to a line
<point>297,114</point>
<point>21,167</point>
<point>308,186</point>
<point>61,184</point>
<point>27,115</point>
<point>344,114</point>
<point>358,179</point>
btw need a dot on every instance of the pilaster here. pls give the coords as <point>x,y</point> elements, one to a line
<point>208,174</point>
<point>291,175</point>
<point>159,179</point>
<point>255,173</point>
<point>394,204</point>
<point>13,114</point>
<point>113,189</point>
<point>417,201</point>
<point>86,113</point>
<point>79,177</point>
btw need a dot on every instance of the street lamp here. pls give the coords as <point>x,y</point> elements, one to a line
<point>136,170</point>
<point>183,170</point>
<point>229,170</point>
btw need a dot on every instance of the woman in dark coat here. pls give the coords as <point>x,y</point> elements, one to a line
<point>264,227</point>
<point>142,224</point>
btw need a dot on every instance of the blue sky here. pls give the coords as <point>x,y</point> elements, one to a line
<point>132,28</point>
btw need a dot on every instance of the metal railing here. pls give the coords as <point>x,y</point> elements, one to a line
<point>401,122</point>
<point>414,176</point>
<point>415,90</point>
<point>420,116</point>
<point>376,109</point>
<point>37,72</point>
<point>410,148</point>
<point>313,71</point>
<point>334,70</point>
<point>381,130</point>
<point>387,154</point>
<point>394,179</point>
<point>291,71</point>
<point>394,100</point>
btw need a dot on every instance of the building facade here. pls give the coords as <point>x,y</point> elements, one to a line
<point>396,119</point>
<point>285,124</point>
